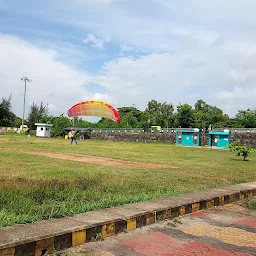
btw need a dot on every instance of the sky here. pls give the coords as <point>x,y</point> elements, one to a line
<point>128,52</point>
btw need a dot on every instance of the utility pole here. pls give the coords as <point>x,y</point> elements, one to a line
<point>25,79</point>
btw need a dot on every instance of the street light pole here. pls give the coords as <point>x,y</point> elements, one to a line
<point>25,79</point>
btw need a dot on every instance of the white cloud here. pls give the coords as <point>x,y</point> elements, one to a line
<point>52,81</point>
<point>100,96</point>
<point>238,98</point>
<point>96,42</point>
<point>182,77</point>
<point>191,50</point>
<point>126,48</point>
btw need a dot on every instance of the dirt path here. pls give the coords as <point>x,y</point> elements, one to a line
<point>113,162</point>
<point>95,160</point>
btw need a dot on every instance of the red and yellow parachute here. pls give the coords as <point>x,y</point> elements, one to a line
<point>94,108</point>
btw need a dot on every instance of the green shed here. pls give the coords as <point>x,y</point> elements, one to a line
<point>188,137</point>
<point>219,139</point>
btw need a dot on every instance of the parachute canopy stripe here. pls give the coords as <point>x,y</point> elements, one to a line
<point>94,108</point>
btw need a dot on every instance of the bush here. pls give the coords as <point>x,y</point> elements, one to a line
<point>240,150</point>
<point>32,132</point>
<point>251,205</point>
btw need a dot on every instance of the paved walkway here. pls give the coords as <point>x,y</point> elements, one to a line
<point>227,231</point>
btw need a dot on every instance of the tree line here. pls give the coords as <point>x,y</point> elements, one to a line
<point>201,115</point>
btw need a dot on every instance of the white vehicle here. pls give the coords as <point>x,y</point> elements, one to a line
<point>25,128</point>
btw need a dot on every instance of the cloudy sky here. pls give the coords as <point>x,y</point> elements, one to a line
<point>128,52</point>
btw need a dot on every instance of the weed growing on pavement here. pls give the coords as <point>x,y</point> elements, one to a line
<point>251,205</point>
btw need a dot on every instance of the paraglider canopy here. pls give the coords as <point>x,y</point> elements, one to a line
<point>94,108</point>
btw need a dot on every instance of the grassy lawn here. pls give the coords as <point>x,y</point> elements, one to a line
<point>34,187</point>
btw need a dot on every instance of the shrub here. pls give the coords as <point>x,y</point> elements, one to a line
<point>240,150</point>
<point>32,132</point>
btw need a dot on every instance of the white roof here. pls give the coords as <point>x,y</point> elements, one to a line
<point>44,125</point>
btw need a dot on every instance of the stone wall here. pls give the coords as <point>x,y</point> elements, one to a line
<point>136,137</point>
<point>248,139</point>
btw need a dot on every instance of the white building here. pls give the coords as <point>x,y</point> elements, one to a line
<point>43,130</point>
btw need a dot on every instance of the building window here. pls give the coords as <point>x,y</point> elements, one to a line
<point>47,129</point>
<point>42,128</point>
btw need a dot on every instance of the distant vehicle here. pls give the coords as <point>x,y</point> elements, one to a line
<point>156,129</point>
<point>25,128</point>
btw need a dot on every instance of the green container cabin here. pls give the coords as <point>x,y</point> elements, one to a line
<point>190,138</point>
<point>218,139</point>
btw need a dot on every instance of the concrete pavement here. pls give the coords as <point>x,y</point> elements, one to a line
<point>228,230</point>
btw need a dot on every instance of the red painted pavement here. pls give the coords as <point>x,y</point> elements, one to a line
<point>160,244</point>
<point>154,243</point>
<point>204,215</point>
<point>249,222</point>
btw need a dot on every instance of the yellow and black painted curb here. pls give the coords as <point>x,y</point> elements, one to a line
<point>47,246</point>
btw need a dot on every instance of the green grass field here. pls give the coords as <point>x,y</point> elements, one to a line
<point>36,187</point>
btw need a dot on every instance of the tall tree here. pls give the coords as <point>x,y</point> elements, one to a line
<point>36,113</point>
<point>167,117</point>
<point>144,121</point>
<point>246,118</point>
<point>185,116</point>
<point>154,112</point>
<point>7,118</point>
<point>107,123</point>
<point>227,123</point>
<point>129,121</point>
<point>59,125</point>
<point>130,116</point>
<point>127,110</point>
<point>160,113</point>
<point>206,115</point>
<point>79,122</point>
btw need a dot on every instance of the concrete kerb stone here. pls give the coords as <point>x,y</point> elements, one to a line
<point>26,233</point>
<point>97,218</point>
<point>100,224</point>
<point>43,237</point>
<point>127,211</point>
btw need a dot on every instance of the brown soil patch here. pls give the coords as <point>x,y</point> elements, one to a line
<point>113,162</point>
<point>96,160</point>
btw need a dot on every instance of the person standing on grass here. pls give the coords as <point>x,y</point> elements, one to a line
<point>72,136</point>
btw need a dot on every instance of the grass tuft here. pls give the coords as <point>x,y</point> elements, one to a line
<point>251,205</point>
